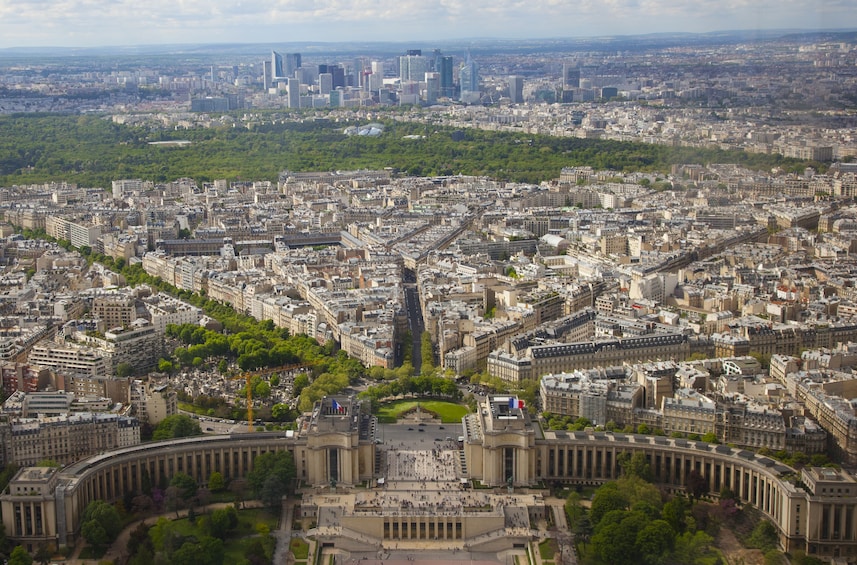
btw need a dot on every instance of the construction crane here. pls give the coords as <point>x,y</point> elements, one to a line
<point>248,376</point>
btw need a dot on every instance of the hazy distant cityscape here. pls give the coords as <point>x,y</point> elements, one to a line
<point>698,318</point>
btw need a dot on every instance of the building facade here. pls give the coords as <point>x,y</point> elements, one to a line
<point>115,310</point>
<point>71,359</point>
<point>67,438</point>
<point>468,78</point>
<point>336,444</point>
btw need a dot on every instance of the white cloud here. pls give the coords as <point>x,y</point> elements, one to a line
<point>100,22</point>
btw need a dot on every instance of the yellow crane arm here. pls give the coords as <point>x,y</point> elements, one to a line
<point>248,376</point>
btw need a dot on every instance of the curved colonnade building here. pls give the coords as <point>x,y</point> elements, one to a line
<point>815,510</point>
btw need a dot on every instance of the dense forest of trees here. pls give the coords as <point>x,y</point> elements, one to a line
<point>91,151</point>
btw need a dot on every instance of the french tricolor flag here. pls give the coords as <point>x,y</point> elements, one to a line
<point>515,403</point>
<point>337,407</point>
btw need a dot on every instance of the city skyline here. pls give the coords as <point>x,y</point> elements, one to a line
<point>86,23</point>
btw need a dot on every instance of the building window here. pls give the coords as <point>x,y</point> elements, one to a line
<point>28,520</point>
<point>38,512</point>
<point>19,522</point>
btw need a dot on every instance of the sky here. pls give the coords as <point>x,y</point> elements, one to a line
<point>95,23</point>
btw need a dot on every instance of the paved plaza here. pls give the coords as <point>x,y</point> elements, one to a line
<point>437,465</point>
<point>422,485</point>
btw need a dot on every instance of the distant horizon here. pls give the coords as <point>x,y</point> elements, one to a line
<point>584,41</point>
<point>87,24</point>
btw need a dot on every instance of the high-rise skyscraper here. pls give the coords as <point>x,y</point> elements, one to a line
<point>376,79</point>
<point>432,87</point>
<point>468,78</point>
<point>294,93</point>
<point>359,71</point>
<point>516,89</point>
<point>412,68</point>
<point>375,82</point>
<point>570,76</point>
<point>291,62</point>
<point>444,68</point>
<point>277,71</point>
<point>336,71</point>
<point>325,83</point>
<point>570,81</point>
<point>267,75</point>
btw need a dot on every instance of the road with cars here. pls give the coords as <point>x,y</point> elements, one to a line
<point>415,317</point>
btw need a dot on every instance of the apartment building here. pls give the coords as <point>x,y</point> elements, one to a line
<point>372,345</point>
<point>115,310</point>
<point>78,233</point>
<point>23,377</point>
<point>689,412</point>
<point>46,404</point>
<point>610,395</point>
<point>153,402</point>
<point>165,310</point>
<point>833,412</point>
<point>139,345</point>
<point>540,360</point>
<point>71,359</point>
<point>102,386</point>
<point>750,425</point>
<point>67,438</point>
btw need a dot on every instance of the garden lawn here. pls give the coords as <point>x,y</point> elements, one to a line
<point>547,549</point>
<point>299,548</point>
<point>449,412</point>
